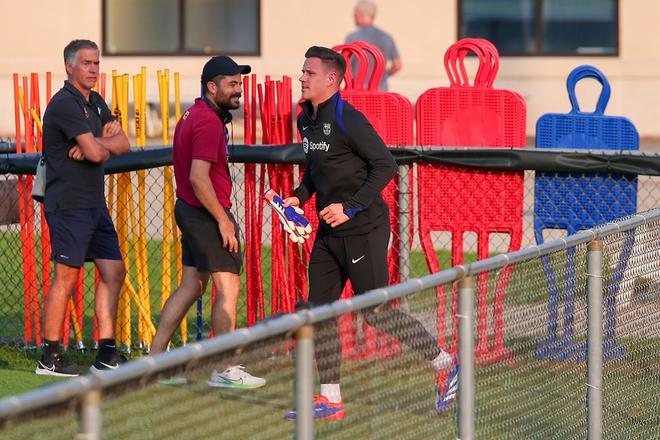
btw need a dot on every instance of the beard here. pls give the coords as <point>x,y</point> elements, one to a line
<point>227,102</point>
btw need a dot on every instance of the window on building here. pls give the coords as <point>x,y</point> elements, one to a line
<point>181,27</point>
<point>543,27</point>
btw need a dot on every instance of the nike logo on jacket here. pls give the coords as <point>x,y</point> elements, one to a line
<point>347,163</point>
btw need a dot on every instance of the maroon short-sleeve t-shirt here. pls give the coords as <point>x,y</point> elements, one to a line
<point>200,134</point>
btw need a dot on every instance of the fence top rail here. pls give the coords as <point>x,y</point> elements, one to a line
<point>631,162</point>
<point>54,394</point>
<point>9,147</point>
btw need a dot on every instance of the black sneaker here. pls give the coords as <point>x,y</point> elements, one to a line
<point>56,365</point>
<point>113,364</point>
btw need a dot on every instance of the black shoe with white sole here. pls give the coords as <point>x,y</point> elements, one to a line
<point>56,365</point>
<point>111,364</point>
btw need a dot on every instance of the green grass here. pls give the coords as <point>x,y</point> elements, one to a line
<point>527,285</point>
<point>17,372</point>
<point>18,377</point>
<point>17,366</point>
<point>526,398</point>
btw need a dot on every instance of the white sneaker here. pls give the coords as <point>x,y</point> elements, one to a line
<point>235,377</point>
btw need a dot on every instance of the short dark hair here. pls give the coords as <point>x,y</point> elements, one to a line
<point>329,57</point>
<point>74,46</point>
<point>216,79</point>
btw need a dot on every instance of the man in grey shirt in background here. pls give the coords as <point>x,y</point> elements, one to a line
<point>364,14</point>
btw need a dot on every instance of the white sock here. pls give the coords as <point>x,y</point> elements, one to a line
<point>331,392</point>
<point>442,361</point>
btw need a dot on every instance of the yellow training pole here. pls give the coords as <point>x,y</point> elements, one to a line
<point>141,247</point>
<point>131,212</point>
<point>123,186</point>
<point>175,230</point>
<point>112,206</point>
<point>137,119</point>
<point>143,269</point>
<point>120,223</point>
<point>166,280</point>
<point>115,111</point>
<point>143,103</point>
<point>126,188</point>
<point>142,207</point>
<point>177,97</point>
<point>128,293</point>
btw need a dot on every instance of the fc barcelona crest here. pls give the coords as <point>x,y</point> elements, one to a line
<point>326,128</point>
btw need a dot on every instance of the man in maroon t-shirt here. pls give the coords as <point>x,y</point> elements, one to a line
<point>210,234</point>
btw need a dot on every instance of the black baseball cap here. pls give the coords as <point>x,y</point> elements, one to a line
<point>222,65</point>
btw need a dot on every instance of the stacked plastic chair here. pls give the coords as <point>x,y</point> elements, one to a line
<point>573,202</point>
<point>462,199</point>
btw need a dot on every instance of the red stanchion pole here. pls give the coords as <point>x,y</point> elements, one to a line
<point>258,207</point>
<point>19,108</point>
<point>35,105</point>
<point>250,262</point>
<point>45,233</point>
<point>31,264</point>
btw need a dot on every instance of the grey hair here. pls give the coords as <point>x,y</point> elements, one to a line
<point>71,49</point>
<point>366,8</point>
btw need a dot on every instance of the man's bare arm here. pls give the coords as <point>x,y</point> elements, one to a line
<point>395,66</point>
<point>91,148</point>
<point>114,139</point>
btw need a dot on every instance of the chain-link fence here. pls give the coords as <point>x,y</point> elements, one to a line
<point>534,385</point>
<point>433,229</point>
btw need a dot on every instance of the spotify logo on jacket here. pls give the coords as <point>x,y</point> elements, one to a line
<point>311,146</point>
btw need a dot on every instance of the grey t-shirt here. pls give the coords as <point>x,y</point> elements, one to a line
<point>382,40</point>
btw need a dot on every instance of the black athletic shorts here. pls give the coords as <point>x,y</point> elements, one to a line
<point>360,258</point>
<point>79,235</point>
<point>201,241</point>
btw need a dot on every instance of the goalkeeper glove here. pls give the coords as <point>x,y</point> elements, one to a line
<point>291,218</point>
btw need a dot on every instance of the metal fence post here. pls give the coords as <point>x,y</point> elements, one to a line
<point>595,340</point>
<point>404,228</point>
<point>404,223</point>
<point>90,416</point>
<point>304,387</point>
<point>466,358</point>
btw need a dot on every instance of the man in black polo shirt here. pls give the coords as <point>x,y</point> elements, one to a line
<point>80,134</point>
<point>348,165</point>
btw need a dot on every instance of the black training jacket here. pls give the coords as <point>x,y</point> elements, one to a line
<point>347,163</point>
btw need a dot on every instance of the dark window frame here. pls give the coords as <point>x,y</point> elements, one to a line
<point>181,52</point>
<point>539,35</point>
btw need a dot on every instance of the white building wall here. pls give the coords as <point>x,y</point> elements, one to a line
<point>34,32</point>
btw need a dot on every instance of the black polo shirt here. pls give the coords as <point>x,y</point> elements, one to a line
<point>73,184</point>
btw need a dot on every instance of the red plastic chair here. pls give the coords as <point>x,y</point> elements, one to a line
<point>462,199</point>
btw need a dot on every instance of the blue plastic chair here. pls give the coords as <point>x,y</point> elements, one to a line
<point>574,202</point>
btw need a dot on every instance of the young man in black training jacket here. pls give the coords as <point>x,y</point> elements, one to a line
<point>348,165</point>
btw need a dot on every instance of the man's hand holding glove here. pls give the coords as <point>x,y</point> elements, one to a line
<point>291,218</point>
